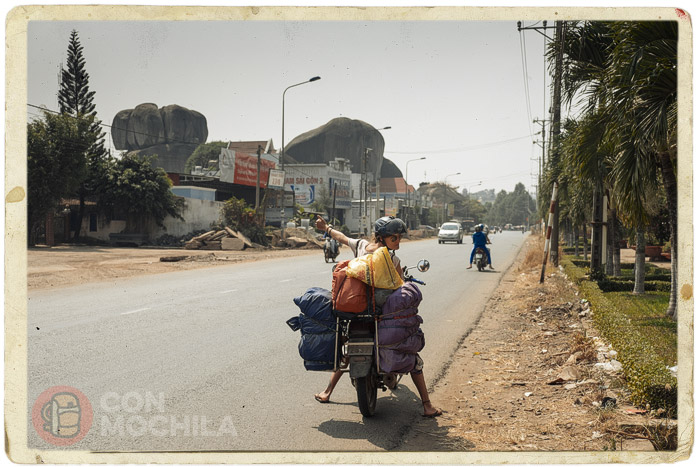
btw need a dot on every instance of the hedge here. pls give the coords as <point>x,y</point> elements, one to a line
<point>647,377</point>
<point>608,285</point>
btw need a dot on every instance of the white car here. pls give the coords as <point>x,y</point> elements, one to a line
<point>450,232</point>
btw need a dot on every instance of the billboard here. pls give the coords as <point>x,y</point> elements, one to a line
<point>242,169</point>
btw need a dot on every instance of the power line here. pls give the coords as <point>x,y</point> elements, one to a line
<point>469,148</point>
<point>523,61</point>
<point>273,156</point>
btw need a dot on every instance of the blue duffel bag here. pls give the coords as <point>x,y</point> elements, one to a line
<point>317,325</point>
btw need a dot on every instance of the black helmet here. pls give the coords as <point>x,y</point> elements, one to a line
<point>389,225</point>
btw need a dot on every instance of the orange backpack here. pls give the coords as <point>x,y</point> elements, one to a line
<point>348,294</point>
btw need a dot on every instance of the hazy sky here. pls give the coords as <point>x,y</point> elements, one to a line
<point>453,92</point>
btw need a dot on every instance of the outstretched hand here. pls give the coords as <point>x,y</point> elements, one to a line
<point>321,224</point>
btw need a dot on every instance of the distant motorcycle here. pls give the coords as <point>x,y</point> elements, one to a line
<point>481,259</point>
<point>331,249</point>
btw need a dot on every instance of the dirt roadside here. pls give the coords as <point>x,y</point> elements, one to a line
<point>497,392</point>
<point>525,378</point>
<point>66,265</point>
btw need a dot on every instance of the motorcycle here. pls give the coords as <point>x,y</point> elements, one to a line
<point>331,249</point>
<point>481,259</point>
<point>357,351</point>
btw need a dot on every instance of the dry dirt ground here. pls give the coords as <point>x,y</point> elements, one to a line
<point>524,379</point>
<point>65,265</point>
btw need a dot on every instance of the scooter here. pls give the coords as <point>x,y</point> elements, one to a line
<point>357,351</point>
<point>481,259</point>
<point>331,249</point>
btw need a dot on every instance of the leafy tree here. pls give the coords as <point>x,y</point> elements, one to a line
<point>56,164</point>
<point>75,99</point>
<point>238,215</point>
<point>203,154</point>
<point>132,186</point>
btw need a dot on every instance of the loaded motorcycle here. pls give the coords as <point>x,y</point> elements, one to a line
<point>357,350</point>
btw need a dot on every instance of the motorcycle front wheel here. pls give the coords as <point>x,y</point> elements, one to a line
<point>366,387</point>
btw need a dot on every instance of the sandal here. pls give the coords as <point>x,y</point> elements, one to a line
<point>322,401</point>
<point>437,412</point>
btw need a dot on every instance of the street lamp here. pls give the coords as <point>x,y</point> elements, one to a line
<point>365,191</point>
<point>445,194</point>
<point>469,196</point>
<point>315,78</point>
<point>406,178</point>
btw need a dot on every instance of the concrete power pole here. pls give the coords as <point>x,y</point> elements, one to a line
<point>555,151</point>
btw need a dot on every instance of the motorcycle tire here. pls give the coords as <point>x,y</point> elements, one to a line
<point>326,258</point>
<point>366,388</point>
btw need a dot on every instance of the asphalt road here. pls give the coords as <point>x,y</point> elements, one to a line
<point>203,359</point>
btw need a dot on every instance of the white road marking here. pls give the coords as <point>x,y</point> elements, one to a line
<point>286,280</point>
<point>229,291</point>
<point>135,311</point>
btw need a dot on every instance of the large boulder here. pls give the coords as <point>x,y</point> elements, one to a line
<point>389,170</point>
<point>146,125</point>
<point>340,138</point>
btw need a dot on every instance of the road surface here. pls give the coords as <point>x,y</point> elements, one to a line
<point>203,359</point>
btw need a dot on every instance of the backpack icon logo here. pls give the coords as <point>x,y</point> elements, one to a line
<point>62,415</point>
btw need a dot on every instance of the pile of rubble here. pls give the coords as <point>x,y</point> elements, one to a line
<point>229,239</point>
<point>295,237</point>
<point>226,239</point>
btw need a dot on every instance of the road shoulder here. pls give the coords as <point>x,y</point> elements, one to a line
<point>525,378</point>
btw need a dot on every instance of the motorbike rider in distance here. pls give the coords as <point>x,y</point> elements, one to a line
<point>387,233</point>
<point>480,240</point>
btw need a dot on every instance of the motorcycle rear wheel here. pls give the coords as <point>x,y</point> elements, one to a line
<point>366,387</point>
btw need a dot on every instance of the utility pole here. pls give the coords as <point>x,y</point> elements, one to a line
<point>555,149</point>
<point>257,183</point>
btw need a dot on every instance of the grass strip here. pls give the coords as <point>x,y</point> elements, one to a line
<point>646,341</point>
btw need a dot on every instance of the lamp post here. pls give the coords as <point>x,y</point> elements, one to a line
<point>365,190</point>
<point>469,196</point>
<point>445,194</point>
<point>315,78</point>
<point>408,203</point>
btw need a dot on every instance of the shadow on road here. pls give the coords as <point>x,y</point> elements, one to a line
<point>397,425</point>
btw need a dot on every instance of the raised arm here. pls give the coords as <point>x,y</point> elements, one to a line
<point>332,232</point>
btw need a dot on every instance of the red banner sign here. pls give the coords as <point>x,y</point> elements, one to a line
<point>246,170</point>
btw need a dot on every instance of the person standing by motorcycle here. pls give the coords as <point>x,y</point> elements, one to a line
<point>480,240</point>
<point>387,233</point>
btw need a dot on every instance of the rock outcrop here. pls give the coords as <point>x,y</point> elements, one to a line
<point>172,132</point>
<point>340,137</point>
<point>147,125</point>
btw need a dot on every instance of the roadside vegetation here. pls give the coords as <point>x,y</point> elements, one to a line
<point>638,328</point>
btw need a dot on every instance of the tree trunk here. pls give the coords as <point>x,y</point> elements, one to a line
<point>639,262</point>
<point>669,178</point>
<point>576,239</point>
<point>617,268</point>
<point>609,248</point>
<point>81,213</point>
<point>597,232</point>
<point>585,242</point>
<point>554,240</point>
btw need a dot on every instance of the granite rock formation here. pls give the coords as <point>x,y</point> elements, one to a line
<point>173,132</point>
<point>390,170</point>
<point>340,137</point>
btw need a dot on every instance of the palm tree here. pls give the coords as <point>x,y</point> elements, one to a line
<point>643,76</point>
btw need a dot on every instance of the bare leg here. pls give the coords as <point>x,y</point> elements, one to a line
<point>326,394</point>
<point>428,409</point>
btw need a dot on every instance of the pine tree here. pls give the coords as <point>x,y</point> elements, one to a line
<point>76,99</point>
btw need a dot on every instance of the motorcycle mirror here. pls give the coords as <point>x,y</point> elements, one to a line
<point>423,265</point>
